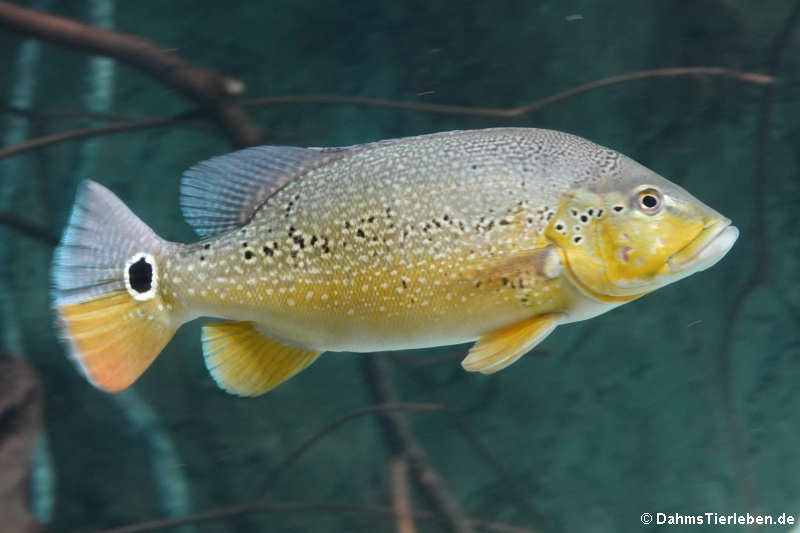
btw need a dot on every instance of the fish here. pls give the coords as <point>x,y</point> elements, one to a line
<point>496,236</point>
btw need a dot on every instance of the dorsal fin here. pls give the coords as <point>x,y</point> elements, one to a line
<point>223,192</point>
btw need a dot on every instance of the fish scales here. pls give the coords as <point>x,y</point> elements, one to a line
<point>402,233</point>
<point>497,235</point>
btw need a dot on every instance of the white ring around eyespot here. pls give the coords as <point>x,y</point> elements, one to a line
<point>149,259</point>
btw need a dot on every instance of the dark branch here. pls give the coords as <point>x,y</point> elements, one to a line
<point>237,510</point>
<point>260,503</point>
<point>48,140</point>
<point>211,91</point>
<point>402,441</point>
<point>28,229</point>
<point>290,459</point>
<point>747,485</point>
<point>513,112</point>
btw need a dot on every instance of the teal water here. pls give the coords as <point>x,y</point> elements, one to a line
<point>682,402</point>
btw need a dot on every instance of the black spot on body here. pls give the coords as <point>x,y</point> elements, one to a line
<point>268,250</point>
<point>140,275</point>
<point>618,208</point>
<point>206,246</point>
<point>360,233</point>
<point>248,254</point>
<point>584,218</point>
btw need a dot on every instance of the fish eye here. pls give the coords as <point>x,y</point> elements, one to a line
<point>649,200</point>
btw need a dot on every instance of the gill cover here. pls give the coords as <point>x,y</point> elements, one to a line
<point>617,244</point>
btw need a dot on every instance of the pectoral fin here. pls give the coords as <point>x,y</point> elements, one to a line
<point>498,349</point>
<point>244,362</point>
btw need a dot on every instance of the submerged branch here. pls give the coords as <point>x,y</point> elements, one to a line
<point>386,407</point>
<point>120,127</point>
<point>28,229</point>
<point>747,485</point>
<point>402,441</point>
<point>213,92</point>
<point>276,507</point>
<point>65,113</point>
<point>260,504</point>
<point>512,112</point>
<point>401,503</point>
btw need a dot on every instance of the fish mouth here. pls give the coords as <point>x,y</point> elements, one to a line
<point>710,245</point>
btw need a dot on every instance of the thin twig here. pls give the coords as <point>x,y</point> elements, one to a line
<point>65,113</point>
<point>260,503</point>
<point>210,90</point>
<point>512,112</point>
<point>41,142</point>
<point>514,489</point>
<point>759,273</point>
<point>275,507</point>
<point>298,452</point>
<point>402,441</point>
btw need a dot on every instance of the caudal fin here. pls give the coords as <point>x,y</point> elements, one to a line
<point>105,293</point>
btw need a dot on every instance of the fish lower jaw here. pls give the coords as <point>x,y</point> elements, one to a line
<point>711,245</point>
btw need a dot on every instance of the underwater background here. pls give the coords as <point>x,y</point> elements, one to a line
<point>682,402</point>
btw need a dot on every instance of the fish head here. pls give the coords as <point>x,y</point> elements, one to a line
<point>624,237</point>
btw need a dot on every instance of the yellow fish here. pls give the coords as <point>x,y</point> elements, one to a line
<point>495,235</point>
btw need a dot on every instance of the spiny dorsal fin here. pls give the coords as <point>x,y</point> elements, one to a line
<point>498,349</point>
<point>223,192</point>
<point>245,362</point>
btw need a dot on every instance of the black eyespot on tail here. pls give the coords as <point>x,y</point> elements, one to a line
<point>140,275</point>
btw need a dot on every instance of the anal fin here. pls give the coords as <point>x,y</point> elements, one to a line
<point>244,362</point>
<point>495,351</point>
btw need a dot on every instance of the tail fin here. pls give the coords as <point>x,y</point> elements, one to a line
<point>105,290</point>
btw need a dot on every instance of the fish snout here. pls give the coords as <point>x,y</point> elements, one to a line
<point>710,245</point>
